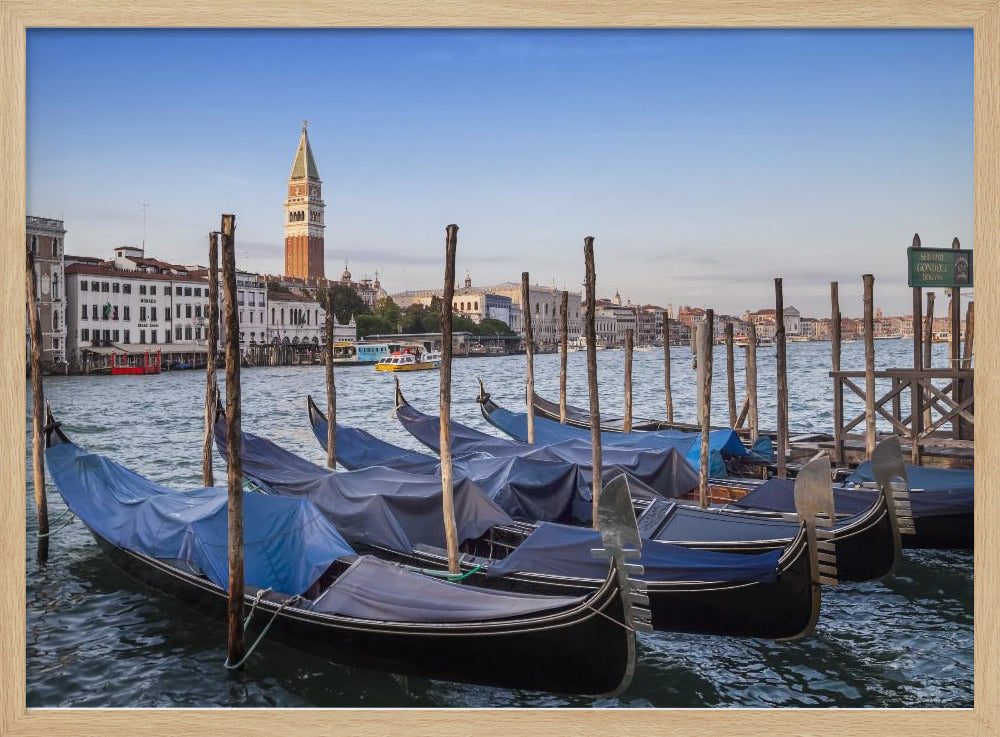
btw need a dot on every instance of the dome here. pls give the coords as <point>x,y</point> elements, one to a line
<point>346,274</point>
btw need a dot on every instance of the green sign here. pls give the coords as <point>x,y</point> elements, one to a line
<point>939,267</point>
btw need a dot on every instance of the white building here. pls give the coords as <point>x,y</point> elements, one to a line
<point>611,322</point>
<point>544,303</point>
<point>294,319</point>
<point>131,301</point>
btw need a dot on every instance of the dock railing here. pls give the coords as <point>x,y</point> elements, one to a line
<point>951,401</point>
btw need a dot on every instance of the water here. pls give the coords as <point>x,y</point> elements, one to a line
<point>97,639</point>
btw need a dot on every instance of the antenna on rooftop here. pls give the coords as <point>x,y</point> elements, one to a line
<point>144,206</point>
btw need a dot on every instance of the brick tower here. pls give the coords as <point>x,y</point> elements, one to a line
<point>304,216</point>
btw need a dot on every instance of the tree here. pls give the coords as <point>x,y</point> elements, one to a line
<point>389,311</point>
<point>373,325</point>
<point>346,303</point>
<point>462,324</point>
<point>492,326</point>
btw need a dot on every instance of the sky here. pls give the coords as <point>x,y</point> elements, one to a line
<point>705,163</point>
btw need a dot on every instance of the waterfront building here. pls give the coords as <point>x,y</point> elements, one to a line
<point>304,216</point>
<point>766,325</point>
<point>131,302</point>
<point>497,303</point>
<point>46,239</point>
<point>612,320</point>
<point>295,319</point>
<point>369,290</point>
<point>544,303</point>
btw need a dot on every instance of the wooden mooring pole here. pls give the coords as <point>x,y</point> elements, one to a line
<point>782,368</point>
<point>447,487</point>
<point>563,354</point>
<point>666,368</point>
<point>211,351</point>
<point>958,387</point>
<point>970,323</point>
<point>234,432</point>
<point>595,410</point>
<point>629,338</point>
<point>37,412</point>
<point>705,343</point>
<point>838,387</point>
<point>916,394</point>
<point>331,387</point>
<point>730,374</point>
<point>869,322</point>
<point>928,348</point>
<point>752,411</point>
<point>529,347</point>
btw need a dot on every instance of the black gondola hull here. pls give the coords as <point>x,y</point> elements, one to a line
<point>540,653</point>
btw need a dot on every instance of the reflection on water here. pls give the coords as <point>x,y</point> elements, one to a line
<point>96,638</point>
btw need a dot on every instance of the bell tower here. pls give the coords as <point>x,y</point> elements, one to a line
<point>304,222</point>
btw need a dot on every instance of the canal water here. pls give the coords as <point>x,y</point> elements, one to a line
<point>97,639</point>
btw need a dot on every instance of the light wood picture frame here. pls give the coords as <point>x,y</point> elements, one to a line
<point>16,16</point>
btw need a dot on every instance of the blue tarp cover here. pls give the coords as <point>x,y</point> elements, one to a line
<point>288,542</point>
<point>565,551</point>
<point>663,472</point>
<point>377,505</point>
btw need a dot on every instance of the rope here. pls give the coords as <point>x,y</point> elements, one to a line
<point>610,618</point>
<point>454,577</point>
<point>65,524</point>
<point>260,637</point>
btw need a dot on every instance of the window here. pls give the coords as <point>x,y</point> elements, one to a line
<point>34,245</point>
<point>166,336</point>
<point>197,291</point>
<point>166,314</point>
<point>106,335</point>
<point>187,310</point>
<point>95,287</point>
<point>177,332</point>
<point>178,310</point>
<point>114,312</point>
<point>85,334</point>
<point>239,297</point>
<point>142,336</point>
<point>127,315</point>
<point>83,312</point>
<point>152,290</point>
<point>152,315</point>
<point>187,333</point>
<point>55,320</point>
<point>55,252</point>
<point>116,288</point>
<point>152,336</point>
<point>142,290</point>
<point>166,291</point>
<point>197,333</point>
<point>115,336</point>
<point>197,310</point>
<point>126,289</point>
<point>93,312</point>
<point>83,286</point>
<point>187,291</point>
<point>251,317</point>
<point>105,286</point>
<point>142,318</point>
<point>262,317</point>
<point>476,305</point>
<point>55,343</point>
<point>128,338</point>
<point>272,315</point>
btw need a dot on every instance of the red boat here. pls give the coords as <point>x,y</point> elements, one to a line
<point>136,363</point>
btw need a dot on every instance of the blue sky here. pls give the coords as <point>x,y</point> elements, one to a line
<point>705,163</point>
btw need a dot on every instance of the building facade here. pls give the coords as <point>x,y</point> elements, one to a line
<point>46,239</point>
<point>294,319</point>
<point>304,216</point>
<point>544,304</point>
<point>132,302</point>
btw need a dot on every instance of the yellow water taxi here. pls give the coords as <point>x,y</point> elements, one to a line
<point>408,360</point>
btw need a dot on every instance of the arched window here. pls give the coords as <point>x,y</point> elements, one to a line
<point>546,308</point>
<point>475,305</point>
<point>537,307</point>
<point>282,315</point>
<point>55,247</point>
<point>55,285</point>
<point>34,245</point>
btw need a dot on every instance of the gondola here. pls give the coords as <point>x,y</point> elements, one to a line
<point>868,543</point>
<point>774,594</point>
<point>320,596</point>
<point>941,503</point>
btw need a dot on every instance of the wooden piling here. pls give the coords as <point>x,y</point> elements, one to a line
<point>629,339</point>
<point>529,346</point>
<point>869,322</point>
<point>236,644</point>
<point>666,368</point>
<point>782,369</point>
<point>37,412</point>
<point>916,395</point>
<point>970,323</point>
<point>705,334</point>
<point>595,410</point>
<point>211,351</point>
<point>447,484</point>
<point>563,354</point>
<point>838,388</point>
<point>331,387</point>
<point>752,411</point>
<point>730,374</point>
<point>928,348</point>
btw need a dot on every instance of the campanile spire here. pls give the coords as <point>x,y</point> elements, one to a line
<point>304,215</point>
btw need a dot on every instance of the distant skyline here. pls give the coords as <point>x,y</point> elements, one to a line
<point>705,163</point>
